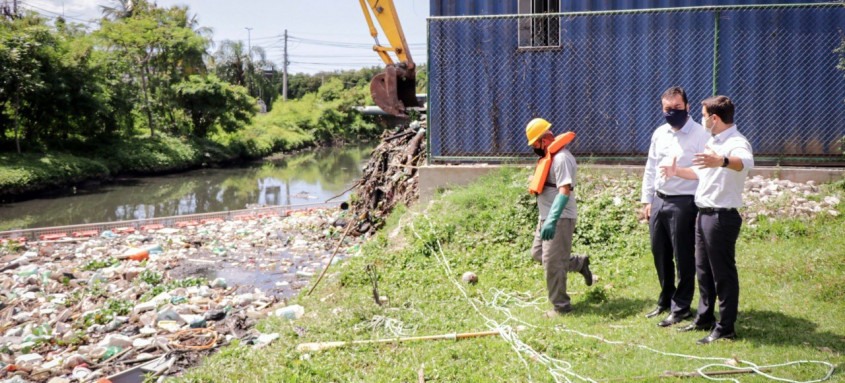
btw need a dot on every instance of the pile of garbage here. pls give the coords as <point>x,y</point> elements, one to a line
<point>116,308</point>
<point>390,177</point>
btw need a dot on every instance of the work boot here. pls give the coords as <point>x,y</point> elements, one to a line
<point>585,271</point>
<point>556,312</point>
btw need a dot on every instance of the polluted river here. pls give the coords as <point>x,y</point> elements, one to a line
<point>117,304</point>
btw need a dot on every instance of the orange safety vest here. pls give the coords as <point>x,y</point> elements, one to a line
<point>541,172</point>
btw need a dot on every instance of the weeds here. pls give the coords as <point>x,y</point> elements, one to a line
<point>100,264</point>
<point>790,307</point>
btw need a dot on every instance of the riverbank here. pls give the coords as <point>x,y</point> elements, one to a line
<point>789,259</point>
<point>23,175</point>
<point>298,177</point>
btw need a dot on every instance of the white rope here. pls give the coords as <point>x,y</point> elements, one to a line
<point>389,325</point>
<point>561,370</point>
<point>753,367</point>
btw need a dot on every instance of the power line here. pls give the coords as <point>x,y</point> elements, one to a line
<point>54,15</point>
<point>341,44</point>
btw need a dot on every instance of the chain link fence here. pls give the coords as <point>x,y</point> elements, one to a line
<point>601,75</point>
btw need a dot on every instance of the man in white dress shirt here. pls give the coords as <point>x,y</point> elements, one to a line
<point>721,171</point>
<point>670,207</point>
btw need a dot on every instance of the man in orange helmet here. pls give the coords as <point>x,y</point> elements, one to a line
<point>554,184</point>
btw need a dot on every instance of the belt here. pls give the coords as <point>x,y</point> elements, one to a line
<point>664,196</point>
<point>708,210</point>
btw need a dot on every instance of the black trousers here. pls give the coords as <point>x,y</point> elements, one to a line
<point>672,229</point>
<point>715,263</point>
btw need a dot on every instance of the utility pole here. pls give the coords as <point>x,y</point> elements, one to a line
<point>285,70</point>
<point>249,42</point>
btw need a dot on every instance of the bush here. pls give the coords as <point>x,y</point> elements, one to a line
<point>32,171</point>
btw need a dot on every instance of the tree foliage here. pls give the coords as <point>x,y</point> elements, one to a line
<point>211,102</point>
<point>248,67</point>
<point>148,69</point>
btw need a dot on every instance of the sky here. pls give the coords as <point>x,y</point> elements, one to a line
<point>323,35</point>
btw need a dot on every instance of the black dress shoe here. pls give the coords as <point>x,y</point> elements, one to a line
<point>674,318</point>
<point>585,271</point>
<point>659,310</point>
<point>716,335</point>
<point>698,327</point>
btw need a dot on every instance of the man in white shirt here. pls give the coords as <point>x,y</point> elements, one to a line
<point>721,171</point>
<point>670,207</point>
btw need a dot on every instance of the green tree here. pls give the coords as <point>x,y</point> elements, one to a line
<point>229,62</point>
<point>211,102</point>
<point>234,63</point>
<point>121,9</point>
<point>162,47</point>
<point>20,77</point>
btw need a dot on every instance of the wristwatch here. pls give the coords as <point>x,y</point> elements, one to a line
<point>725,162</point>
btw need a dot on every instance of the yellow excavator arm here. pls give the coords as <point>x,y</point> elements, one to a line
<point>393,90</point>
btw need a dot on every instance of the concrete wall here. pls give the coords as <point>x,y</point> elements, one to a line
<point>437,177</point>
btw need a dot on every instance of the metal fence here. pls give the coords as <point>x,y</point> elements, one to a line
<point>601,75</point>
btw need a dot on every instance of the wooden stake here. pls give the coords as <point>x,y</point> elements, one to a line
<point>692,374</point>
<point>696,374</point>
<point>349,225</point>
<point>319,346</point>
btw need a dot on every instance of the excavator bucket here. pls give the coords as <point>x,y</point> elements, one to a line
<point>394,90</point>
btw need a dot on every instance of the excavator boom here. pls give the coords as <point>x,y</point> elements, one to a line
<point>393,90</point>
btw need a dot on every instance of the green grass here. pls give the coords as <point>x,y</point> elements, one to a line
<point>790,304</point>
<point>20,173</point>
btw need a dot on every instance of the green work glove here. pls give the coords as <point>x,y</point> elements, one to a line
<point>548,230</point>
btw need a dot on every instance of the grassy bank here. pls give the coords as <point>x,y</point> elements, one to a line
<point>143,155</point>
<point>791,274</point>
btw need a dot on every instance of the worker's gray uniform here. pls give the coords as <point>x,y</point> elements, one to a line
<point>555,254</point>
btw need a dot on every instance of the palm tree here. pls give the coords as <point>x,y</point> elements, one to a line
<point>122,9</point>
<point>230,62</point>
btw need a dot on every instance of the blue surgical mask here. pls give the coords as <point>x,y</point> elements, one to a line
<point>676,117</point>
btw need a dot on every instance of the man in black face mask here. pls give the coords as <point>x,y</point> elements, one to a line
<point>670,208</point>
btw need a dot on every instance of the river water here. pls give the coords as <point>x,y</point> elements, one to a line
<point>311,176</point>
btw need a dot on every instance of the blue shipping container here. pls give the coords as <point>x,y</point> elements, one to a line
<point>604,79</point>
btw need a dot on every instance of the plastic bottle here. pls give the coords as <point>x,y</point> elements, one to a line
<point>111,351</point>
<point>138,254</point>
<point>81,372</point>
<point>291,312</point>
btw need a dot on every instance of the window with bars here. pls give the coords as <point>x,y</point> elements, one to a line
<point>535,29</point>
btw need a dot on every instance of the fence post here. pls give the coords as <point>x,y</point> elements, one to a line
<point>717,16</point>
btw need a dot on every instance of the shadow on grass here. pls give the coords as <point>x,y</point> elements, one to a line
<point>769,327</point>
<point>615,307</point>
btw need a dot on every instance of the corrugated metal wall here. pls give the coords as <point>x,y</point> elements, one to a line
<point>509,7</point>
<point>605,80</point>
